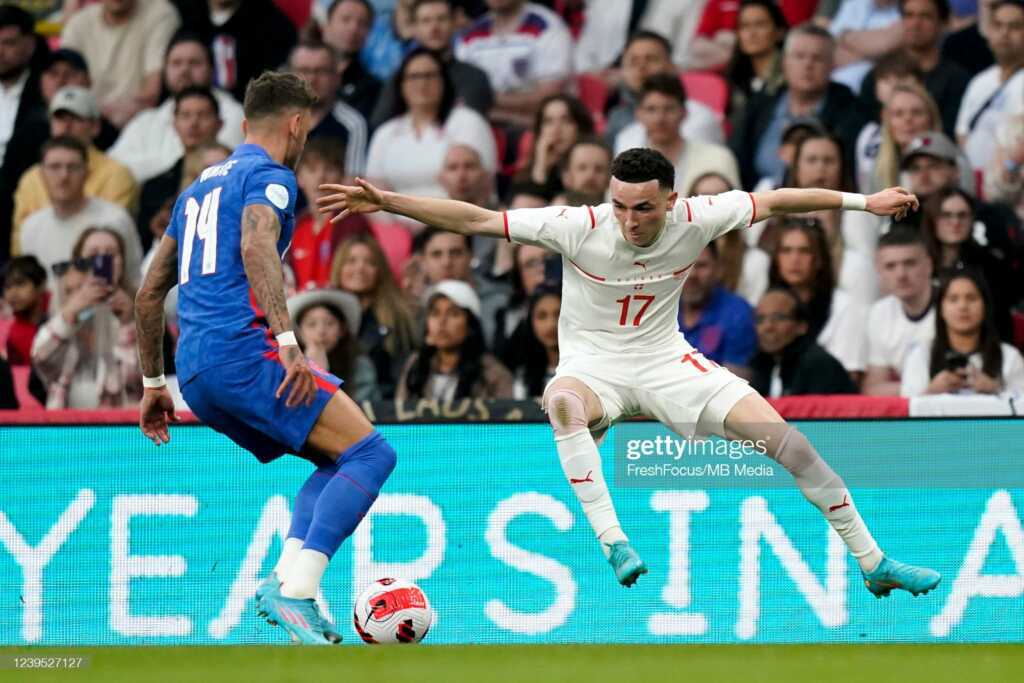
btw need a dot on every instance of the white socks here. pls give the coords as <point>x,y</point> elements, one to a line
<point>289,552</point>
<point>302,577</point>
<point>581,463</point>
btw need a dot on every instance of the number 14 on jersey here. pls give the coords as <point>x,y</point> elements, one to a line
<point>200,221</point>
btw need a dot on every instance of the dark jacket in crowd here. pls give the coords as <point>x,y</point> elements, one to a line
<point>805,368</point>
<point>31,130</point>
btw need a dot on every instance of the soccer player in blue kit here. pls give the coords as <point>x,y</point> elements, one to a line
<point>240,369</point>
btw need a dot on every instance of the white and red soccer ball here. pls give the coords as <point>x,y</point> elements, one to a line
<point>392,611</point>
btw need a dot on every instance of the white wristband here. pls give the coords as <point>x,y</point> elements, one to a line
<point>854,202</point>
<point>154,382</point>
<point>287,339</point>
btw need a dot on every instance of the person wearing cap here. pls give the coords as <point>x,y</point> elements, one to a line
<point>67,67</point>
<point>327,322</point>
<point>73,112</point>
<point>453,364</point>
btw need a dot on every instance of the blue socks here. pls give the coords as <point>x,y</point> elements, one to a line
<point>344,493</point>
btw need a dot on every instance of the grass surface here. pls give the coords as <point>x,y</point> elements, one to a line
<point>536,664</point>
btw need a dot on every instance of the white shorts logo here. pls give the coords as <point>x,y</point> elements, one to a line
<point>278,195</point>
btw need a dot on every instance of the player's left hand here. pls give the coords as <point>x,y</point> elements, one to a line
<point>298,375</point>
<point>894,201</point>
<point>156,412</point>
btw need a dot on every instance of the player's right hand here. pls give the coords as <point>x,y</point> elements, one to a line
<point>348,199</point>
<point>297,374</point>
<point>156,412</point>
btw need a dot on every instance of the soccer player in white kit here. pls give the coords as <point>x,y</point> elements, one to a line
<point>620,349</point>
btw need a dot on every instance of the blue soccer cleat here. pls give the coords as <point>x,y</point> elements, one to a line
<point>627,564</point>
<point>267,586</point>
<point>890,574</point>
<point>301,618</point>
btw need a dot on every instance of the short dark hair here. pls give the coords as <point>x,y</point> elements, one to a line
<point>420,242</point>
<point>941,8</point>
<point>327,149</point>
<point>799,309</point>
<point>902,235</point>
<point>197,91</point>
<point>274,92</point>
<point>23,268</point>
<point>641,164</point>
<point>653,36</point>
<point>310,43</point>
<point>420,3</point>
<point>185,35</point>
<point>448,96</point>
<point>12,15</point>
<point>65,142</point>
<point>665,84</point>
<point>898,64</point>
<point>998,4</point>
<point>588,140</point>
<point>337,3</point>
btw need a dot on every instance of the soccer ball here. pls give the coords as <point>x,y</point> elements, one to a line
<point>392,611</point>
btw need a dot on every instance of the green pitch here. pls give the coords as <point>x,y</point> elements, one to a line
<point>535,664</point>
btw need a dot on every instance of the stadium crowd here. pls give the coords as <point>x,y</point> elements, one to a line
<point>109,108</point>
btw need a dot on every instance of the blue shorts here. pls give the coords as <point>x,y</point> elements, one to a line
<point>237,400</point>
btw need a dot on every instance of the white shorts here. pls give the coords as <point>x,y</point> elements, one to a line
<point>686,392</point>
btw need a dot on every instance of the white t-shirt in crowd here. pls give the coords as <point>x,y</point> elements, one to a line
<point>540,49</point>
<point>842,335</point>
<point>617,295</point>
<point>981,142</point>
<point>754,275</point>
<point>602,39</point>
<point>50,238</point>
<point>698,158</point>
<point>890,333</point>
<point>149,145</point>
<point>916,375</point>
<point>409,162</point>
<point>859,15</point>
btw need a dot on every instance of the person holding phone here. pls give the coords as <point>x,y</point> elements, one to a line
<point>966,355</point>
<point>85,352</point>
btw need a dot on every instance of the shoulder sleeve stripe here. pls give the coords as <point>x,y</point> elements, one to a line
<point>689,214</point>
<point>753,212</point>
<point>593,221</point>
<point>504,217</point>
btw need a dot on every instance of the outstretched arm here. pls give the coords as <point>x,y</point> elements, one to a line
<point>894,201</point>
<point>156,409</point>
<point>447,214</point>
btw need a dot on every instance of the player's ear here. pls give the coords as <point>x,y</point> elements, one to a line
<point>245,128</point>
<point>295,124</point>
<point>670,201</point>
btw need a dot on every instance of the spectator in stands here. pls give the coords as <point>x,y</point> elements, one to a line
<point>24,281</point>
<point>802,262</point>
<point>742,268</point>
<point>196,123</point>
<point>123,42</point>
<point>464,178</point>
<point>433,27</point>
<point>909,112</point>
<point>407,152</point>
<point>73,112</point>
<point>148,145</point>
<point>67,67</point>
<point>923,24</point>
<point>755,66</point>
<point>789,361</point>
<point>1004,181</point>
<point>540,344</point>
<point>997,89</point>
<point>526,51</point>
<point>717,31</point>
<point>23,123</point>
<point>948,228</point>
<point>332,117</point>
<point>387,332</point>
<point>315,239</point>
<point>327,321</point>
<point>49,233</point>
<point>453,362</point>
<point>348,24</point>
<point>718,323</point>
<point>904,318</point>
<point>661,109</point>
<point>968,46</point>
<point>792,136</point>
<point>586,169</point>
<point>389,37</point>
<point>86,352</point>
<point>510,326</point>
<point>246,38</point>
<point>806,64</point>
<point>965,356</point>
<point>560,122</point>
<point>865,30</point>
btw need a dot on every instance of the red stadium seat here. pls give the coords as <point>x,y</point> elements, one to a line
<point>396,241</point>
<point>26,401</point>
<point>1018,329</point>
<point>707,88</point>
<point>296,10</point>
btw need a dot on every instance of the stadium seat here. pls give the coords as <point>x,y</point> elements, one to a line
<point>396,241</point>
<point>707,88</point>
<point>296,10</point>
<point>593,93</point>
<point>26,401</point>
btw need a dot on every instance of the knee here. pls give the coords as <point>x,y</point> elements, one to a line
<point>567,411</point>
<point>386,458</point>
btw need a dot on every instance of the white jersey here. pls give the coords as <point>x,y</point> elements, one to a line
<point>617,297</point>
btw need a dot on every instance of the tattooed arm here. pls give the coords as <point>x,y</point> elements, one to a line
<point>260,232</point>
<point>156,409</point>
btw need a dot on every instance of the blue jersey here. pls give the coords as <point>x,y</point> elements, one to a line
<point>218,322</point>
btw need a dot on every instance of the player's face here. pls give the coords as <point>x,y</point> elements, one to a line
<point>545,320</point>
<point>963,308</point>
<point>463,176</point>
<point>776,326</point>
<point>661,116</point>
<point>908,117</point>
<point>196,122</point>
<point>641,209</point>
<point>64,174</point>
<point>905,271</point>
<point>929,175</point>
<point>644,58</point>
<point>955,221</point>
<point>447,324</point>
<point>818,164</point>
<point>432,26</point>
<point>102,243</point>
<point>530,263</point>
<point>66,123</point>
<point>359,271</point>
<point>589,170</point>
<point>795,255</point>
<point>702,279</point>
<point>187,64</point>
<point>446,257</point>
<point>319,327</point>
